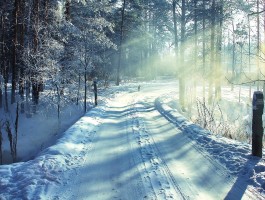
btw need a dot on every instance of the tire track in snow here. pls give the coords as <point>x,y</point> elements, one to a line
<point>135,159</point>
<point>136,154</point>
<point>226,157</point>
<point>156,174</point>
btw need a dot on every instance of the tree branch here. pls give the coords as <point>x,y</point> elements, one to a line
<point>256,13</point>
<point>244,83</point>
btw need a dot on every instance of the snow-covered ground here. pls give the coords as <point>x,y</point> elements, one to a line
<point>136,145</point>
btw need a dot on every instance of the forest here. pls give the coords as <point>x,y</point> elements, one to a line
<point>61,46</point>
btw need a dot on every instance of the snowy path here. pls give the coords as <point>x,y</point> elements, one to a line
<point>117,166</point>
<point>136,153</point>
<point>191,173</point>
<point>134,145</point>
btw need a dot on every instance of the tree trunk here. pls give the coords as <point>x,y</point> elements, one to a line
<point>78,90</point>
<point>175,29</point>
<point>14,53</point>
<point>67,10</point>
<point>121,42</point>
<point>5,86</point>
<point>218,70</point>
<point>1,92</point>
<point>5,66</point>
<point>194,92</point>
<point>36,24</point>
<point>85,109</point>
<point>212,61</point>
<point>233,55</point>
<point>58,91</point>
<point>21,29</point>
<point>28,110</point>
<point>258,46</point>
<point>182,52</point>
<point>34,78</point>
<point>16,131</point>
<point>249,58</point>
<point>241,70</point>
<point>2,62</point>
<point>204,49</point>
<point>263,43</point>
<point>1,145</point>
<point>46,12</point>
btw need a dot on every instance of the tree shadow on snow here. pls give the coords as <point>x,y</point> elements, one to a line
<point>239,188</point>
<point>235,157</point>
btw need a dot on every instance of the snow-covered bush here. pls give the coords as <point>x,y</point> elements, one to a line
<point>218,119</point>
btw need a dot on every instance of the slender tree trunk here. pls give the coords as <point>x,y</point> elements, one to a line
<point>182,52</point>
<point>21,48</point>
<point>258,46</point>
<point>58,91</point>
<point>15,52</point>
<point>218,70</point>
<point>5,66</point>
<point>175,28</point>
<point>67,10</point>
<point>46,12</point>
<point>1,91</point>
<point>195,51</point>
<point>36,7</point>
<point>28,110</point>
<point>212,61</point>
<point>175,31</point>
<point>16,131</point>
<point>2,61</point>
<point>263,71</point>
<point>144,54</point>
<point>233,55</point>
<point>249,57</point>
<point>5,87</point>
<point>204,49</point>
<point>85,109</point>
<point>29,76</point>
<point>154,47</point>
<point>78,90</point>
<point>35,84</point>
<point>1,146</point>
<point>121,41</point>
<point>241,70</point>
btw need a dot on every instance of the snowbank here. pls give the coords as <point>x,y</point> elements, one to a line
<point>28,180</point>
<point>234,155</point>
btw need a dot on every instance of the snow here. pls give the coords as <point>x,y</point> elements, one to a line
<point>137,145</point>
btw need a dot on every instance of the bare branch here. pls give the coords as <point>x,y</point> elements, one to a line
<point>244,83</point>
<point>256,13</point>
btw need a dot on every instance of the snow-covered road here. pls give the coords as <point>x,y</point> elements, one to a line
<point>136,153</point>
<point>121,162</point>
<point>133,146</point>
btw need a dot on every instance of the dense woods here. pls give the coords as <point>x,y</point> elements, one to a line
<point>105,99</point>
<point>62,45</point>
